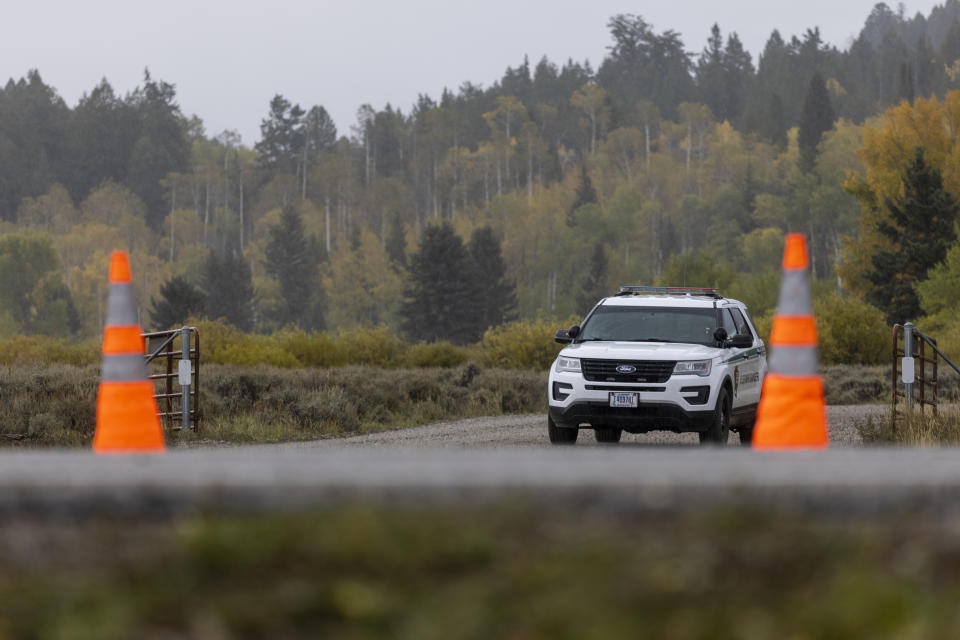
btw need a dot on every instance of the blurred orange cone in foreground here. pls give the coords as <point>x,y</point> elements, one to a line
<point>792,412</point>
<point>127,420</point>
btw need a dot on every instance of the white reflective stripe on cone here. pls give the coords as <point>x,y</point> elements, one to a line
<point>795,294</point>
<point>121,308</point>
<point>793,361</point>
<point>124,368</point>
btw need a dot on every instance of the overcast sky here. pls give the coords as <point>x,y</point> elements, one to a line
<point>227,58</point>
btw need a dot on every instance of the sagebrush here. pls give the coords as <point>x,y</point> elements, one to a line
<point>56,405</point>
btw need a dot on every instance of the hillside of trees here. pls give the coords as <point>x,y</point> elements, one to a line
<point>527,199</point>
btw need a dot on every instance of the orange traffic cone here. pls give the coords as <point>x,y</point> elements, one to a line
<point>127,420</point>
<point>792,412</point>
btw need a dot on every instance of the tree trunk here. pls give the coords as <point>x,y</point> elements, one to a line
<point>241,213</point>
<point>646,132</point>
<point>206,210</point>
<point>326,203</point>
<point>303,191</point>
<point>593,131</point>
<point>173,207</point>
<point>530,171</point>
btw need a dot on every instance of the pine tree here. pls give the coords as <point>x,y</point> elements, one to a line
<point>586,194</point>
<point>439,299</point>
<point>495,295</point>
<point>773,127</point>
<point>178,301</point>
<point>292,260</point>
<point>816,118</point>
<point>921,232</point>
<point>229,285</point>
<point>397,243</point>
<point>594,284</point>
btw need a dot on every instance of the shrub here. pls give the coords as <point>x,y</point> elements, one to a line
<point>313,349</point>
<point>47,350</point>
<point>436,354</point>
<point>379,347</point>
<point>520,345</point>
<point>850,331</point>
<point>222,343</point>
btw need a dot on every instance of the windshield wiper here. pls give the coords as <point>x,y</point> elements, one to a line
<point>652,340</point>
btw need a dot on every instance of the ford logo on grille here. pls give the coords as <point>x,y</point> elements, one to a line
<point>626,368</point>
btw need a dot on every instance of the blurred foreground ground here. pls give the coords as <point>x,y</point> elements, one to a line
<point>481,530</point>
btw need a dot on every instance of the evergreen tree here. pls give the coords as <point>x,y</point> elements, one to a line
<point>397,243</point>
<point>594,283</point>
<point>229,285</point>
<point>439,299</point>
<point>162,147</point>
<point>586,194</point>
<point>921,232</point>
<point>292,260</point>
<point>816,118</point>
<point>281,136</point>
<point>494,295</point>
<point>178,301</point>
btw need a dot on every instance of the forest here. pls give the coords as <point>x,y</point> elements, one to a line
<point>527,199</point>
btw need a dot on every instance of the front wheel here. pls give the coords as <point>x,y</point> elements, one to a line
<point>609,435</point>
<point>719,431</point>
<point>560,435</point>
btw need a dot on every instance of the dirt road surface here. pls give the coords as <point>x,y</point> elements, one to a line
<point>531,430</point>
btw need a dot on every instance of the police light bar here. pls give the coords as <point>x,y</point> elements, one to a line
<point>627,290</point>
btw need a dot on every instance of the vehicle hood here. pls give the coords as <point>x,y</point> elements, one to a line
<point>640,351</point>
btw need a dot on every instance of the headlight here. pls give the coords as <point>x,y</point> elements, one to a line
<point>568,364</point>
<point>693,368</point>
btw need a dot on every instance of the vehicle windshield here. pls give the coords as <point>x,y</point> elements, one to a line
<point>651,324</point>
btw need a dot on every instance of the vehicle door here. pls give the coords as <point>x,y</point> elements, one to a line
<point>748,363</point>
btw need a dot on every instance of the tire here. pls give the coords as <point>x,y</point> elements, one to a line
<point>609,435</point>
<point>719,431</point>
<point>746,436</point>
<point>561,435</point>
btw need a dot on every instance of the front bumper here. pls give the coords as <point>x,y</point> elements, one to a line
<point>647,417</point>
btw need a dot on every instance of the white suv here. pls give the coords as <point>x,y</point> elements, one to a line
<point>658,358</point>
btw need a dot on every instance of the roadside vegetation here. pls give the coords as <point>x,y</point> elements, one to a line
<point>916,429</point>
<point>510,570</point>
<point>56,405</point>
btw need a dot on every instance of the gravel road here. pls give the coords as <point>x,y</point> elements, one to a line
<point>531,430</point>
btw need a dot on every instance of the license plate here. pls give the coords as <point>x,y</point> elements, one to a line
<point>623,399</point>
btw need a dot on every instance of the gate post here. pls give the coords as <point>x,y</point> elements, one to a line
<point>908,353</point>
<point>184,376</point>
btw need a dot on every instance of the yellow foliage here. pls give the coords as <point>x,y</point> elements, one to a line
<point>521,345</point>
<point>361,285</point>
<point>888,147</point>
<point>45,350</point>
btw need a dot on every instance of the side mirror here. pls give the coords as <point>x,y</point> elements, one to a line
<point>720,335</point>
<point>740,341</point>
<point>566,336</point>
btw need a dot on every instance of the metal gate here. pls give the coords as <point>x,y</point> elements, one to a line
<point>178,397</point>
<point>915,366</point>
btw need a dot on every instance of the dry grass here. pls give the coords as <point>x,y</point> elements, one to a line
<point>56,405</point>
<point>917,429</point>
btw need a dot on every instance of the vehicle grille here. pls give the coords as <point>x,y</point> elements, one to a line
<point>647,370</point>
